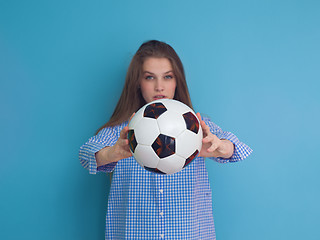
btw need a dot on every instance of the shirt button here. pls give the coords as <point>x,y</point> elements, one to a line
<point>161,190</point>
<point>161,213</point>
<point>162,235</point>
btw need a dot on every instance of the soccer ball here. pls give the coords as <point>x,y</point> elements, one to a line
<point>165,136</point>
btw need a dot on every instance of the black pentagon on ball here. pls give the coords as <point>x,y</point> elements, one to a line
<point>191,122</point>
<point>154,170</point>
<point>132,140</point>
<point>164,146</point>
<point>189,159</point>
<point>154,110</point>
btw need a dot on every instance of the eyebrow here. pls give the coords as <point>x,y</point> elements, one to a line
<point>153,73</point>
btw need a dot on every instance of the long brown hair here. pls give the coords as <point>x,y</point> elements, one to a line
<point>131,98</point>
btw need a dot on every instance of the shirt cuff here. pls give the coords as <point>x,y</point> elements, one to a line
<point>88,158</point>
<point>107,168</point>
<point>241,150</point>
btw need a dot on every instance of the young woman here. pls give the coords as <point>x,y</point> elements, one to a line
<point>145,205</point>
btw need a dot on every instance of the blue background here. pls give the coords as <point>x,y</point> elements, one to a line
<point>252,66</point>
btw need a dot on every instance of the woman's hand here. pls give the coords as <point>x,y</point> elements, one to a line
<point>116,152</point>
<point>212,146</point>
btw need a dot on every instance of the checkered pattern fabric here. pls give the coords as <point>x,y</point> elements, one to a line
<point>144,205</point>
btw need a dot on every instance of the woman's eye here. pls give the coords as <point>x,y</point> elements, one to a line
<point>149,77</point>
<point>168,77</point>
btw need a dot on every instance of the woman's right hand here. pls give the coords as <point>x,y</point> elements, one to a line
<point>121,148</point>
<point>118,151</point>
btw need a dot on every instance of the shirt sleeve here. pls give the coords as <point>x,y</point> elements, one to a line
<point>106,137</point>
<point>241,150</point>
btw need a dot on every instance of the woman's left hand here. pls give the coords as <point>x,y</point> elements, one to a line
<point>212,146</point>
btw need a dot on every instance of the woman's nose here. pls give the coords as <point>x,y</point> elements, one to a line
<point>159,85</point>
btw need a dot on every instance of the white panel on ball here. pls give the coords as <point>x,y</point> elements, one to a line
<point>171,123</point>
<point>146,131</point>
<point>187,143</point>
<point>171,164</point>
<point>137,117</point>
<point>145,156</point>
<point>176,106</point>
<point>200,135</point>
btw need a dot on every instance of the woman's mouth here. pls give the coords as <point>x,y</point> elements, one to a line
<point>159,97</point>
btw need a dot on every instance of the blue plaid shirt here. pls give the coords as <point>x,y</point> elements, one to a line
<point>144,205</point>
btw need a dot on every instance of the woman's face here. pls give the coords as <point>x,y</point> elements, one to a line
<point>158,80</point>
